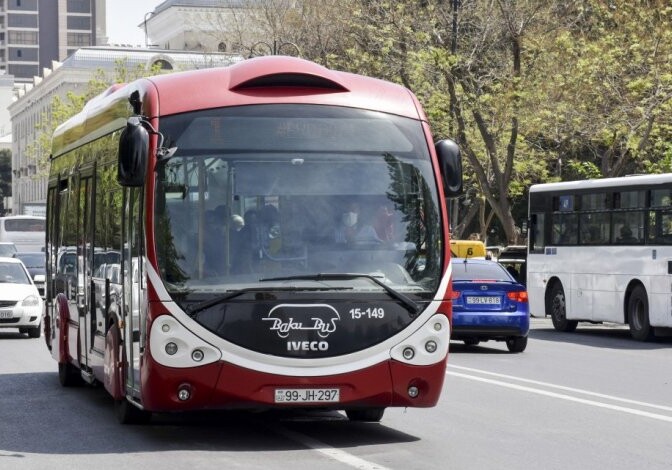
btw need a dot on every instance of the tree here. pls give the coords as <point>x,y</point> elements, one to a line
<point>610,88</point>
<point>471,69</point>
<point>526,84</point>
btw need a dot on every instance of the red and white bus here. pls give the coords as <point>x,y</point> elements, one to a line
<point>194,257</point>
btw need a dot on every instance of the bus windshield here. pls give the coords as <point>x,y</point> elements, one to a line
<point>269,191</point>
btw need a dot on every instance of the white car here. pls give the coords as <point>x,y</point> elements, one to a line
<point>20,302</point>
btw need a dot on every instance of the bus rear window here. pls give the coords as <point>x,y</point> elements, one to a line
<point>24,225</point>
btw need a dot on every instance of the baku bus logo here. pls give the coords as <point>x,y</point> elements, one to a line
<point>286,318</point>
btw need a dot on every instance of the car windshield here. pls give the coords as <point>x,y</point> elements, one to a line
<point>13,273</point>
<point>464,270</point>
<point>272,191</point>
<point>7,249</point>
<point>32,260</point>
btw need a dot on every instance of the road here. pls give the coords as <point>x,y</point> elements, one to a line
<point>593,399</point>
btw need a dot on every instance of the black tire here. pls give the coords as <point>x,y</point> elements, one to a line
<point>638,315</point>
<point>471,342</point>
<point>558,310</point>
<point>69,375</point>
<point>367,414</point>
<point>517,344</point>
<point>127,413</point>
<point>34,332</point>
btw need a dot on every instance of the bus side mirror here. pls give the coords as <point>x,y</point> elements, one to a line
<point>450,163</point>
<point>133,153</point>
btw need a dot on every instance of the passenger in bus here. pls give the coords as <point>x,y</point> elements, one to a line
<point>626,236</point>
<point>351,229</point>
<point>383,224</point>
<point>246,252</point>
<point>215,240</point>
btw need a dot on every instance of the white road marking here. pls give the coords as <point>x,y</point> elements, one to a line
<point>328,451</point>
<point>561,396</point>
<point>567,389</point>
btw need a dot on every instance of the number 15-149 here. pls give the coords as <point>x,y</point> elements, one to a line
<point>357,313</point>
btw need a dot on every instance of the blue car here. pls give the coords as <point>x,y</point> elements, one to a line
<point>488,304</point>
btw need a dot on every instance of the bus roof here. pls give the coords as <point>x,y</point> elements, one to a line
<point>279,79</point>
<point>603,183</point>
<point>261,80</point>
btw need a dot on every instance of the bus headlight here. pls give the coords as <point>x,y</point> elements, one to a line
<point>173,345</point>
<point>428,344</point>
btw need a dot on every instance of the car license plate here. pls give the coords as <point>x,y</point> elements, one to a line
<point>307,395</point>
<point>484,300</point>
<point>6,314</point>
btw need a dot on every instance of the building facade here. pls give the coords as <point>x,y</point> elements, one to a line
<point>33,33</point>
<point>34,101</point>
<point>203,25</point>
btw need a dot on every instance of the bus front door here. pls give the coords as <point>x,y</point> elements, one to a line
<point>83,263</point>
<point>133,287</point>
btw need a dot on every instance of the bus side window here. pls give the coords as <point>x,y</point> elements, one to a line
<point>660,227</point>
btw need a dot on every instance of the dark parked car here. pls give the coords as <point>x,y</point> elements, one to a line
<point>35,264</point>
<point>488,304</point>
<point>514,259</point>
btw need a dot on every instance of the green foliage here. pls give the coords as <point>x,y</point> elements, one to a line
<point>523,83</point>
<point>62,108</point>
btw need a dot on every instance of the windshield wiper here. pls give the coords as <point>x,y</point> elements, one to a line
<point>410,304</point>
<point>194,309</point>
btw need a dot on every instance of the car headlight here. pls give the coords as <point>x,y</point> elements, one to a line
<point>31,301</point>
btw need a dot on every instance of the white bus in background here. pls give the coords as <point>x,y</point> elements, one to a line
<point>601,251</point>
<point>27,232</point>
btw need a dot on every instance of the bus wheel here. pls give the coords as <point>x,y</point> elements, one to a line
<point>558,309</point>
<point>127,413</point>
<point>368,414</point>
<point>516,344</point>
<point>638,315</point>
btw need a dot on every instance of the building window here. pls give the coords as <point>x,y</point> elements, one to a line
<point>23,54</point>
<point>22,37</point>
<point>79,22</point>
<point>79,39</point>
<point>24,71</point>
<point>79,6</point>
<point>25,5</point>
<point>18,20</point>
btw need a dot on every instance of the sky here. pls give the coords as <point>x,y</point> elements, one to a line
<point>123,18</point>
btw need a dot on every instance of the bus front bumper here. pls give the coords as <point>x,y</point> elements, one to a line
<point>226,386</point>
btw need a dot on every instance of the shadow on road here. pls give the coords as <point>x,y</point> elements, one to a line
<point>596,335</point>
<point>12,335</point>
<point>484,347</point>
<point>45,418</point>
